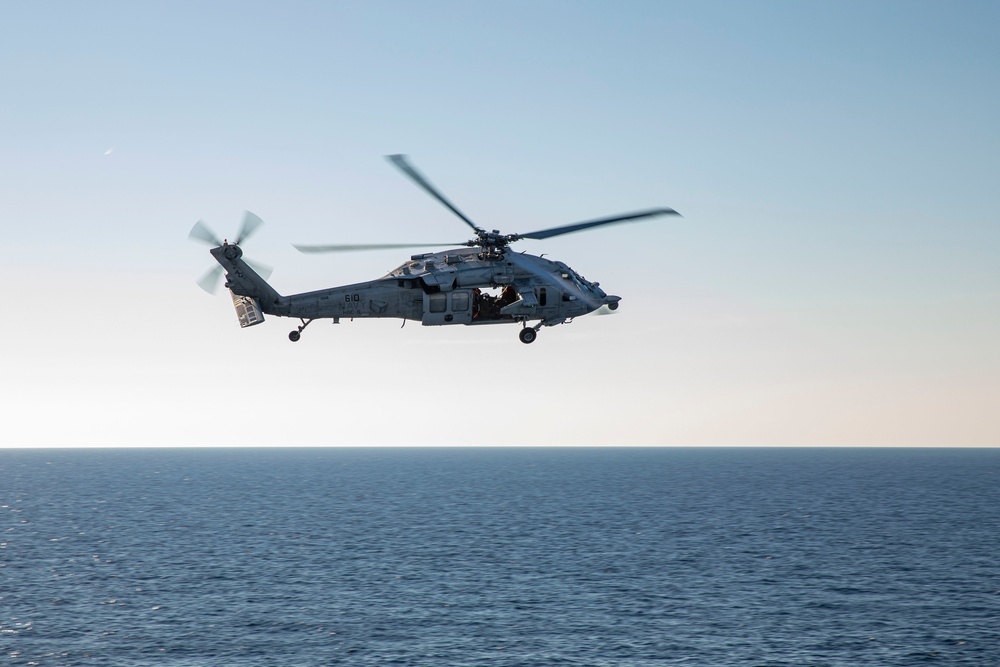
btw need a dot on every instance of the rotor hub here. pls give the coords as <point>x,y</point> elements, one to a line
<point>492,243</point>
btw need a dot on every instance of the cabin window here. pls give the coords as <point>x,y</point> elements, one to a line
<point>438,302</point>
<point>460,301</point>
<point>541,296</point>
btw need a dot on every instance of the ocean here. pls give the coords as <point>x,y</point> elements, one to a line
<point>500,557</point>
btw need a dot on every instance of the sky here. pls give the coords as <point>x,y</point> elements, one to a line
<point>834,279</point>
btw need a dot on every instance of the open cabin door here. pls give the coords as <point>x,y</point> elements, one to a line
<point>453,307</point>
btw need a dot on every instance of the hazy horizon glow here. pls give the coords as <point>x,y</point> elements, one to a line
<point>835,279</point>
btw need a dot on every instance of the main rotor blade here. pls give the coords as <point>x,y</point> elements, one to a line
<point>201,232</point>
<point>580,226</point>
<point>404,166</point>
<point>251,223</point>
<point>210,281</point>
<point>368,246</point>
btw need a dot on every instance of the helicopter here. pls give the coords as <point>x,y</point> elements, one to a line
<point>475,282</point>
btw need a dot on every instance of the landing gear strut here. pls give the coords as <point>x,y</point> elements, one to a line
<point>297,334</point>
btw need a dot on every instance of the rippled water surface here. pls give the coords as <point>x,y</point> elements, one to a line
<point>435,557</point>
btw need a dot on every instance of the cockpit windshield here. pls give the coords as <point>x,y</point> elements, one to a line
<point>572,276</point>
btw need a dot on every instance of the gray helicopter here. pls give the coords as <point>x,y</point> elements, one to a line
<point>482,281</point>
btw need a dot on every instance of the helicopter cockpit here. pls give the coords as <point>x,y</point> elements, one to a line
<point>572,276</point>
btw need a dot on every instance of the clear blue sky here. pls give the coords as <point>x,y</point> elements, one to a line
<point>835,279</point>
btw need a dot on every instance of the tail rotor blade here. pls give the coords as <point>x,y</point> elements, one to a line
<point>251,223</point>
<point>210,281</point>
<point>201,232</point>
<point>262,270</point>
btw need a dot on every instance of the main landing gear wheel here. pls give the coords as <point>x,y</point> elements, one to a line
<point>527,335</point>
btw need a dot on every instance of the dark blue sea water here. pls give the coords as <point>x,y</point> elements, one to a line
<point>500,557</point>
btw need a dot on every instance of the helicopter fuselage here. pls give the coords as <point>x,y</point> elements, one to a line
<point>436,289</point>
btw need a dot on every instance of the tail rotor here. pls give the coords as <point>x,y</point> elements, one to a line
<point>203,233</point>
